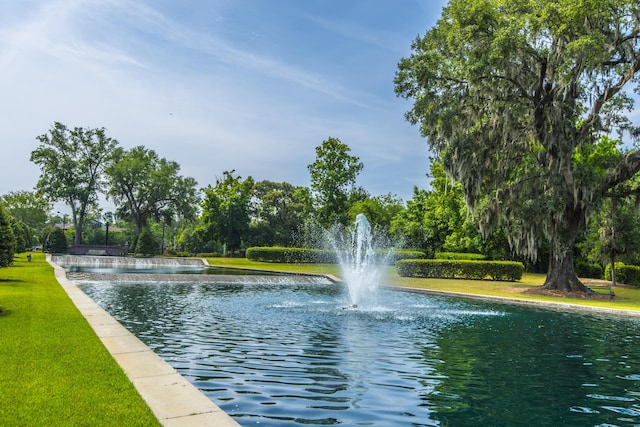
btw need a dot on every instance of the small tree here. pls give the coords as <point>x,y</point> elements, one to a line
<point>145,245</point>
<point>7,239</point>
<point>57,242</point>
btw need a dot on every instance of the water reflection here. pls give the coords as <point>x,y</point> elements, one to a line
<point>290,355</point>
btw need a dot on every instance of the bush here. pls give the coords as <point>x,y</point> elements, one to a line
<point>627,274</point>
<point>322,256</point>
<point>392,256</point>
<point>591,271</point>
<point>57,242</point>
<point>461,269</point>
<point>459,256</point>
<point>8,242</point>
<point>145,245</point>
<point>291,255</point>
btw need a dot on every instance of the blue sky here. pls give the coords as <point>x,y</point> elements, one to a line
<point>216,85</point>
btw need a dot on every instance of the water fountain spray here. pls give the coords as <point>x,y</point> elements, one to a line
<point>358,263</point>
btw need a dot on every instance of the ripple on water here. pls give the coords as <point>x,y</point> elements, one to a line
<point>291,355</point>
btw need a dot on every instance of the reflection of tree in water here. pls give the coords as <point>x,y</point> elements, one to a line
<point>531,368</point>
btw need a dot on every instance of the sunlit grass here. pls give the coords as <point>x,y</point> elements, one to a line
<point>54,370</point>
<point>627,298</point>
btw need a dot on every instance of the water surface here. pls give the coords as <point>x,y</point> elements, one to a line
<point>291,355</point>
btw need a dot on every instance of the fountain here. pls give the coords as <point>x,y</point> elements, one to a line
<point>358,263</point>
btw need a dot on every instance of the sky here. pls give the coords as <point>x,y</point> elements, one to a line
<point>216,85</point>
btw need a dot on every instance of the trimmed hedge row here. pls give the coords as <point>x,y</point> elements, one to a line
<point>321,256</point>
<point>459,255</point>
<point>627,274</point>
<point>591,271</point>
<point>291,255</point>
<point>461,269</point>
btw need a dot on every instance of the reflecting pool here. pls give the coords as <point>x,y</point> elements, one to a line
<point>290,355</point>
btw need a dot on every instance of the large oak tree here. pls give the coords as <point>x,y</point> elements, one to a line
<point>72,163</point>
<point>515,96</point>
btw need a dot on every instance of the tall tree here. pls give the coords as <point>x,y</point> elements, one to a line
<point>144,186</point>
<point>333,176</point>
<point>509,93</point>
<point>72,162</point>
<point>225,210</point>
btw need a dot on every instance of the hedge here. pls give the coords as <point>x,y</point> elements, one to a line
<point>461,269</point>
<point>460,256</point>
<point>322,256</point>
<point>591,271</point>
<point>627,274</point>
<point>291,255</point>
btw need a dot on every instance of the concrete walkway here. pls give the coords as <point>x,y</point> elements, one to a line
<point>173,399</point>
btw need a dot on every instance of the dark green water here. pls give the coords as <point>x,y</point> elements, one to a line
<point>278,355</point>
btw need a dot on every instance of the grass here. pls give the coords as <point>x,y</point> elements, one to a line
<point>53,368</point>
<point>627,298</point>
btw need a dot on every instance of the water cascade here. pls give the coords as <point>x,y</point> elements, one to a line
<point>358,264</point>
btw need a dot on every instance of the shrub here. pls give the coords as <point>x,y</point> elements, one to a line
<point>627,274</point>
<point>8,242</point>
<point>461,269</point>
<point>57,242</point>
<point>145,244</point>
<point>322,256</point>
<point>591,271</point>
<point>459,256</point>
<point>291,255</point>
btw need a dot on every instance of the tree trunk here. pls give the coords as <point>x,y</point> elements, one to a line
<point>561,275</point>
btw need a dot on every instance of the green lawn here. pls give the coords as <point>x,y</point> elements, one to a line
<point>627,298</point>
<point>54,371</point>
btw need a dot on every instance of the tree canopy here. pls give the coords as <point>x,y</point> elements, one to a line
<point>225,210</point>
<point>516,98</point>
<point>145,186</point>
<point>333,176</point>
<point>72,162</point>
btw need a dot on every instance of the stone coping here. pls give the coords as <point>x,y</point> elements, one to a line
<point>173,400</point>
<point>547,305</point>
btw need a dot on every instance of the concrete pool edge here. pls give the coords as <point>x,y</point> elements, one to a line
<point>172,398</point>
<point>558,306</point>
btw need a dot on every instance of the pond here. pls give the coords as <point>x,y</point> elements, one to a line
<point>291,355</point>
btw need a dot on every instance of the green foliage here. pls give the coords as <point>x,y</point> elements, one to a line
<point>461,269</point>
<point>515,98</point>
<point>278,211</point>
<point>27,207</point>
<point>291,255</point>
<point>322,256</point>
<point>145,244</point>
<point>333,177</point>
<point>72,164</point>
<point>23,234</point>
<point>57,242</point>
<point>144,186</point>
<point>225,210</point>
<point>8,241</point>
<point>627,274</point>
<point>379,210</point>
<point>592,271</point>
<point>459,255</point>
